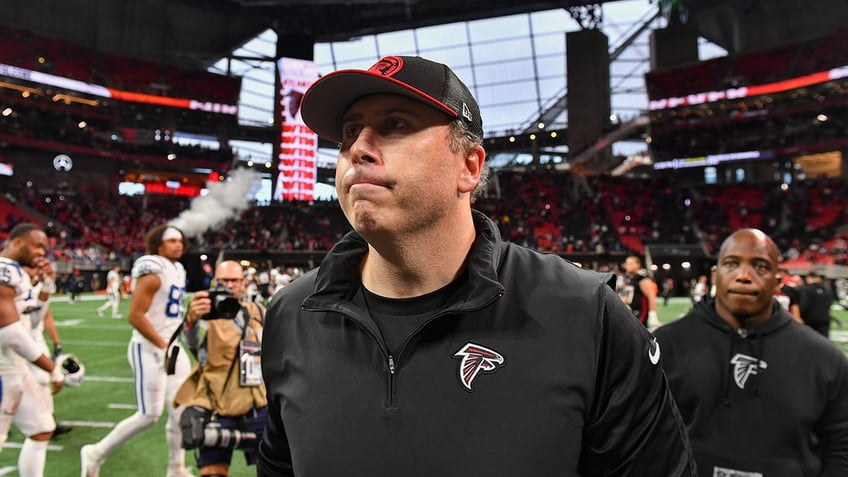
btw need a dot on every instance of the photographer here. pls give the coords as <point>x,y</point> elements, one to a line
<point>224,396</point>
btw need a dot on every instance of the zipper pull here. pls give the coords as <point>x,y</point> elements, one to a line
<point>391,365</point>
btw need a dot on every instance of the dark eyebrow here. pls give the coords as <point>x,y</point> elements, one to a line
<point>348,117</point>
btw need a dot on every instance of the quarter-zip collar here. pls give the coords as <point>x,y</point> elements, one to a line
<point>338,278</point>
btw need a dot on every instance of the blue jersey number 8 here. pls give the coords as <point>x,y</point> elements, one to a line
<point>175,302</point>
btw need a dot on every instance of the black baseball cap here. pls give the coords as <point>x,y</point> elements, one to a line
<point>431,83</point>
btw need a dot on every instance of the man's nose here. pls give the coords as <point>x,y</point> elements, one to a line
<point>745,273</point>
<point>364,148</point>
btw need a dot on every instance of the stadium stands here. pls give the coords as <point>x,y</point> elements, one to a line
<point>750,69</point>
<point>38,53</point>
<point>558,213</point>
<point>546,212</point>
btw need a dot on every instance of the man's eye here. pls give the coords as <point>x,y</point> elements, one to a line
<point>395,123</point>
<point>349,132</point>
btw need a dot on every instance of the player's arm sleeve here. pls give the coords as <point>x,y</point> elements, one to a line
<point>274,454</point>
<point>832,429</point>
<point>9,278</point>
<point>20,340</point>
<point>634,427</point>
<point>50,327</point>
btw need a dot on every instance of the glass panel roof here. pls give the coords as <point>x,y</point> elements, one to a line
<point>514,65</point>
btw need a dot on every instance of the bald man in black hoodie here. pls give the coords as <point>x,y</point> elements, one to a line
<point>761,395</point>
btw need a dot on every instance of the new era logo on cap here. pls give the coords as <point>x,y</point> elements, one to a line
<point>466,112</point>
<point>417,78</point>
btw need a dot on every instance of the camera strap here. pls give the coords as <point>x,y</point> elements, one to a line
<point>171,358</point>
<point>250,362</point>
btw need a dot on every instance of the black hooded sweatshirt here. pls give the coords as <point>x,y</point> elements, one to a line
<point>767,402</point>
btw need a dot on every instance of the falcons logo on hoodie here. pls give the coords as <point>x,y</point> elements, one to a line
<point>476,358</point>
<point>744,367</point>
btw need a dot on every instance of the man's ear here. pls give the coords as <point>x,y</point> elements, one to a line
<point>472,169</point>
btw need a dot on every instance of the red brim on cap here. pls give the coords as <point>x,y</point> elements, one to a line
<point>329,98</point>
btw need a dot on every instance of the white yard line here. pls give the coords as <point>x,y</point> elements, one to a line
<point>17,445</point>
<point>108,379</point>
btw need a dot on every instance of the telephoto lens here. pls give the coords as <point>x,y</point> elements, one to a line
<point>214,436</point>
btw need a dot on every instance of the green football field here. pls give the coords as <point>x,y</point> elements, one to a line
<point>107,396</point>
<point>104,399</point>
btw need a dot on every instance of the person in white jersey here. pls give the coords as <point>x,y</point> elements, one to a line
<point>113,292</point>
<point>26,245</point>
<point>34,416</point>
<point>156,311</point>
<point>38,401</point>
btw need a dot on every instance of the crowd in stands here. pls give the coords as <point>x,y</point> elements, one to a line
<point>778,128</point>
<point>780,124</point>
<point>28,50</point>
<point>560,213</point>
<point>752,68</point>
<point>38,122</point>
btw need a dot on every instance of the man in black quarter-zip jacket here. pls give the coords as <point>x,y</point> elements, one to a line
<point>762,395</point>
<point>426,346</point>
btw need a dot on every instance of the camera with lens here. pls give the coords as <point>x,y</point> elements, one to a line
<point>215,436</point>
<point>198,430</point>
<point>225,306</point>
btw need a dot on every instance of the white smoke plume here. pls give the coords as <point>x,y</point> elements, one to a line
<point>224,201</point>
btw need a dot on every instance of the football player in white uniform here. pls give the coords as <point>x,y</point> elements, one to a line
<point>156,310</point>
<point>113,292</point>
<point>34,416</point>
<point>26,245</point>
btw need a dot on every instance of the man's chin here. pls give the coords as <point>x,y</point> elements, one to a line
<point>744,315</point>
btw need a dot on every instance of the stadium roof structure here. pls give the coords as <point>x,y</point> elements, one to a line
<point>197,33</point>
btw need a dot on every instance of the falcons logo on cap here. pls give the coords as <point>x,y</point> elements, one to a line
<point>744,367</point>
<point>476,358</point>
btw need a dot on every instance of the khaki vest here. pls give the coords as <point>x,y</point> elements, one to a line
<point>205,387</point>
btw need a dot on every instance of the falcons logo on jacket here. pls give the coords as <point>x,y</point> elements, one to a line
<point>744,367</point>
<point>476,358</point>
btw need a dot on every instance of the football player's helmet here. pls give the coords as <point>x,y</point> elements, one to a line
<point>72,368</point>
